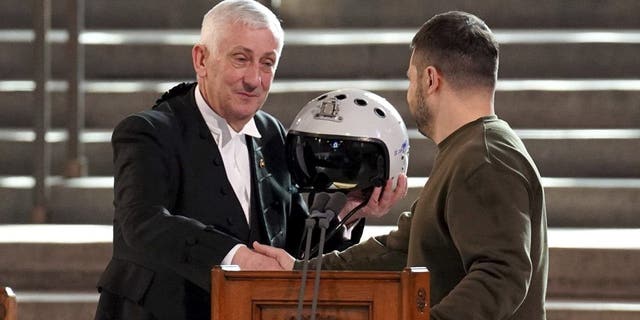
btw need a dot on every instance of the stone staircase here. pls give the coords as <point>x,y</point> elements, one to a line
<point>592,275</point>
<point>568,84</point>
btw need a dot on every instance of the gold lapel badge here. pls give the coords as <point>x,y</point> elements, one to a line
<point>261,163</point>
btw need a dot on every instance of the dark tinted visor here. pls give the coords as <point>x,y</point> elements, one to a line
<point>322,162</point>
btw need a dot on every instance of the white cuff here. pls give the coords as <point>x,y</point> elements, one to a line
<point>229,257</point>
<point>346,234</point>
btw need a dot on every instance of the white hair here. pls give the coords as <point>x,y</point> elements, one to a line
<point>250,13</point>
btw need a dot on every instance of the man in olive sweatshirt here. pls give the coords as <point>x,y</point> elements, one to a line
<point>479,224</point>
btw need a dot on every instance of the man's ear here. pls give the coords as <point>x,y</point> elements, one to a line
<point>199,55</point>
<point>431,79</point>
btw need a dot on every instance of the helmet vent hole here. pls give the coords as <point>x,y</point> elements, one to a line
<point>341,96</point>
<point>322,97</point>
<point>380,113</point>
<point>360,102</point>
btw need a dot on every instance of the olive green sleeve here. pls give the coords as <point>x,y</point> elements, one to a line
<point>381,253</point>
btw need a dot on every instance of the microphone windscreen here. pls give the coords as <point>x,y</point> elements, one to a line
<point>336,202</point>
<point>319,202</point>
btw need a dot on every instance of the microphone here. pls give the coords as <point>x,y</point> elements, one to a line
<point>319,203</point>
<point>317,210</point>
<point>335,204</point>
<point>343,220</point>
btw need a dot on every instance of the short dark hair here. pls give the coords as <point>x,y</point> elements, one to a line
<point>460,46</point>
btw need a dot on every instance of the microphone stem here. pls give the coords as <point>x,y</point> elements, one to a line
<point>309,224</point>
<point>323,224</point>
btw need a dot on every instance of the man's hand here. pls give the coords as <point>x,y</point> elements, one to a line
<point>248,259</point>
<point>379,202</point>
<point>284,259</point>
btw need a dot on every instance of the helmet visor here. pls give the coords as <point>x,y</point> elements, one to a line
<point>324,162</point>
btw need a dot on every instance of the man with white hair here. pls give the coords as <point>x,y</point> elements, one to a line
<point>202,175</point>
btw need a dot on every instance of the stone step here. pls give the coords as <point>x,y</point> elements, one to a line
<point>564,309</point>
<point>559,153</point>
<point>336,54</point>
<point>610,153</point>
<point>611,271</point>
<point>58,305</point>
<point>524,103</point>
<point>74,201</point>
<point>81,305</point>
<point>343,13</point>
<point>496,13</point>
<point>72,257</point>
<point>571,202</point>
<point>120,14</point>
<point>54,257</point>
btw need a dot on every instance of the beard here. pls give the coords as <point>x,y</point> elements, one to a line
<point>423,116</point>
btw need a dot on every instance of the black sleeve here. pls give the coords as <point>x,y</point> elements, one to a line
<point>145,190</point>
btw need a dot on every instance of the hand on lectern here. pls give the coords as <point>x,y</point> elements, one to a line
<point>284,259</point>
<point>248,259</point>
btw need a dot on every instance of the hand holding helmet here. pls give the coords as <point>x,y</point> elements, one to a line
<point>378,202</point>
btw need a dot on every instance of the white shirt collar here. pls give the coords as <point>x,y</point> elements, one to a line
<point>221,130</point>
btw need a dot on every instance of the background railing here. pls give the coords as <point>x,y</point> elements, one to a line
<point>42,108</point>
<point>76,164</point>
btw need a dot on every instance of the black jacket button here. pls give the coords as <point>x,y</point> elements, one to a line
<point>191,241</point>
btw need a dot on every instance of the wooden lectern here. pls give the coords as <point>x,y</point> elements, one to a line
<point>343,295</point>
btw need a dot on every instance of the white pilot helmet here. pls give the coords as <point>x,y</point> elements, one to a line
<point>347,139</point>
